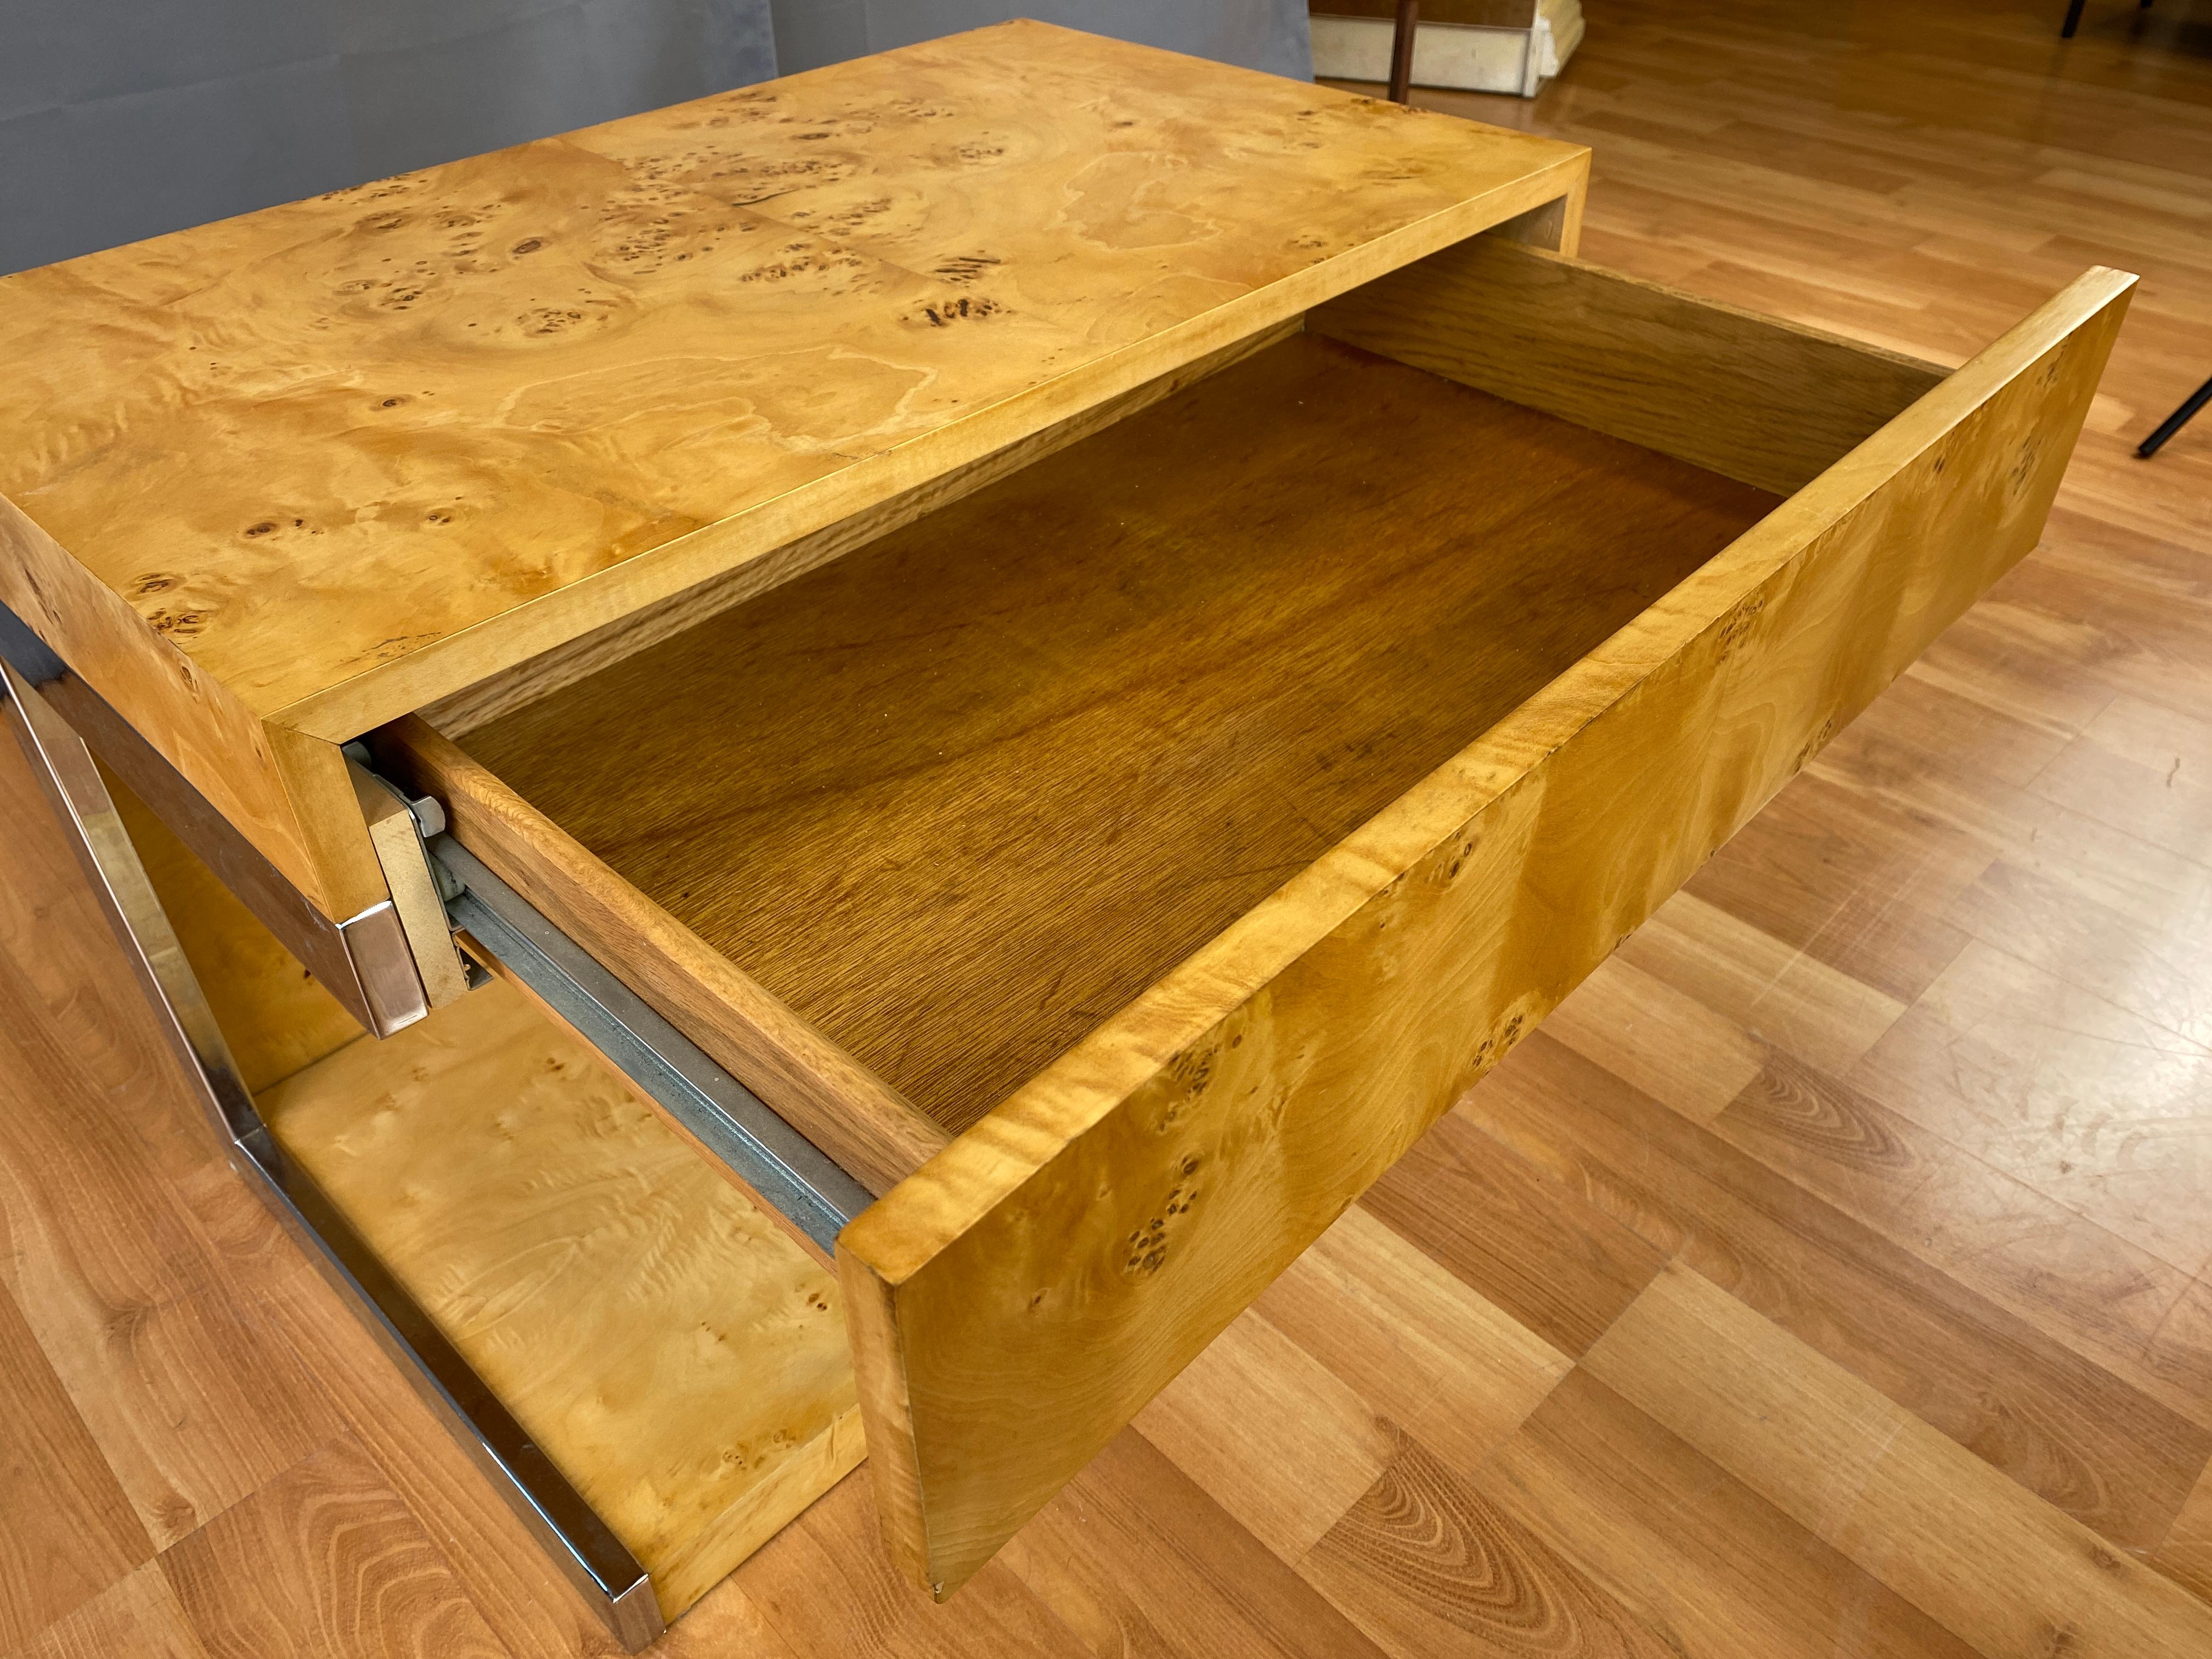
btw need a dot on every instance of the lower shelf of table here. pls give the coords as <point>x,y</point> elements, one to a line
<point>678,1357</point>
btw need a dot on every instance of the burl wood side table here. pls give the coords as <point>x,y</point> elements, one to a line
<point>816,772</point>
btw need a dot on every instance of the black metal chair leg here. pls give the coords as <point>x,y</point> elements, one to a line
<point>2073,19</point>
<point>2173,423</point>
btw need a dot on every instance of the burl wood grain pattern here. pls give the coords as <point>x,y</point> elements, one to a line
<point>1033,751</point>
<point>287,794</point>
<point>680,1360</point>
<point>1095,1231</point>
<point>326,464</point>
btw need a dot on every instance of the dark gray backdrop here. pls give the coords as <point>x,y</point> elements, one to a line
<point>123,118</point>
<point>1264,34</point>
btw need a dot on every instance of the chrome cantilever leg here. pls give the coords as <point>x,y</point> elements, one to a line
<point>591,1557</point>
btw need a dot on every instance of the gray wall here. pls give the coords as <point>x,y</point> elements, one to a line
<point>123,118</point>
<point>1261,34</point>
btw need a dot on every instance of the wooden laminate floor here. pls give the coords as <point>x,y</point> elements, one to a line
<point>1829,1276</point>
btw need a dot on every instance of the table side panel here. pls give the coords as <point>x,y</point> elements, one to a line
<point>679,1360</point>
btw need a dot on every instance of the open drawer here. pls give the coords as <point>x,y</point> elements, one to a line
<point>1117,868</point>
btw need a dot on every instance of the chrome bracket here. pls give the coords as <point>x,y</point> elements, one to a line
<point>364,961</point>
<point>580,1544</point>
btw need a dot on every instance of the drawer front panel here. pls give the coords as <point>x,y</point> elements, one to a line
<point>1014,1302</point>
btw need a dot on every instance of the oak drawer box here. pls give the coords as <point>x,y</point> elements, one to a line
<point>1108,820</point>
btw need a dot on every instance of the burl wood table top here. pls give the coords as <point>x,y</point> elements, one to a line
<point>353,453</point>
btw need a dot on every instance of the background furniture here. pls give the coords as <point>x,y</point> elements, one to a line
<point>1472,45</point>
<point>2073,16</point>
<point>1261,34</point>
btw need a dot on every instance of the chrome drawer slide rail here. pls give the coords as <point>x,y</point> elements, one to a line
<point>784,1168</point>
<point>582,1546</point>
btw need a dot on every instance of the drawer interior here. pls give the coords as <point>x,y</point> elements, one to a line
<point>959,796</point>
